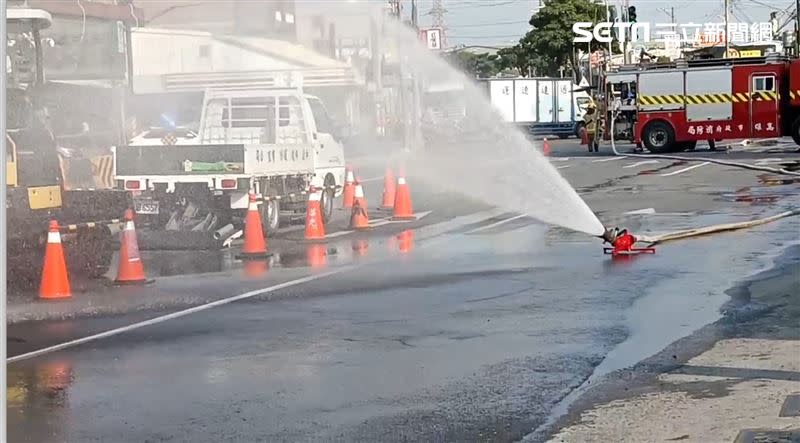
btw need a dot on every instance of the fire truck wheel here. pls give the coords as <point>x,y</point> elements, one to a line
<point>796,130</point>
<point>659,137</point>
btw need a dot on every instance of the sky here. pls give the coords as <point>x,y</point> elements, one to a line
<point>503,22</point>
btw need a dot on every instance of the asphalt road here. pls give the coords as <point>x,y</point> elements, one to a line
<point>456,329</point>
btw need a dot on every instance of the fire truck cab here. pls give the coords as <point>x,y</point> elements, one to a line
<point>670,107</point>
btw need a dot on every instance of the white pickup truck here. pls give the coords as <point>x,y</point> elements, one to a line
<point>271,141</point>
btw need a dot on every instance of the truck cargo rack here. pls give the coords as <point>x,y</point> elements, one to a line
<point>259,80</point>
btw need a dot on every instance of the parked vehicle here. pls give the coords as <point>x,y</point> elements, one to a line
<point>274,142</point>
<point>670,107</point>
<point>547,106</point>
<point>45,180</point>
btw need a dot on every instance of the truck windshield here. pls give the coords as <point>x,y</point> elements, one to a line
<point>324,123</point>
<point>21,47</point>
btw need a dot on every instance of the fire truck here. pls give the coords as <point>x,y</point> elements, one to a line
<point>669,107</point>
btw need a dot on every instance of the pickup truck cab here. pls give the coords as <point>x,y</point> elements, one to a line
<point>275,142</point>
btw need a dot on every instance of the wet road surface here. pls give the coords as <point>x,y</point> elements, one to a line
<point>471,332</point>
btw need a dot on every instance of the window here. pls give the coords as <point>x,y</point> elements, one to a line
<point>324,124</point>
<point>74,49</point>
<point>764,83</point>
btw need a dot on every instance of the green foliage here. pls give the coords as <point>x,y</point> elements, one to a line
<point>546,48</point>
<point>549,44</point>
<point>476,65</point>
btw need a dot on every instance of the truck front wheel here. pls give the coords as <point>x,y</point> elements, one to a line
<point>270,216</point>
<point>658,137</point>
<point>328,194</point>
<point>796,130</point>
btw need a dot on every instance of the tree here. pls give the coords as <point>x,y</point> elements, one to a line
<point>476,65</point>
<point>548,47</point>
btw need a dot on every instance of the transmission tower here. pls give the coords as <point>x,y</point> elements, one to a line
<point>437,15</point>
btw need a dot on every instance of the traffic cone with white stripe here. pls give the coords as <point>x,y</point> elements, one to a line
<point>55,281</point>
<point>389,190</point>
<point>348,191</point>
<point>402,200</point>
<point>359,218</point>
<point>545,147</point>
<point>255,245</point>
<point>130,270</point>
<point>315,226</point>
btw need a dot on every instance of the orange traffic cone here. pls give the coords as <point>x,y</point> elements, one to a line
<point>55,282</point>
<point>255,245</point>
<point>315,227</point>
<point>402,200</point>
<point>546,147</point>
<point>130,270</point>
<point>359,218</point>
<point>348,191</point>
<point>388,189</point>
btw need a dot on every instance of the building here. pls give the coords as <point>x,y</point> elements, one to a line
<point>270,19</point>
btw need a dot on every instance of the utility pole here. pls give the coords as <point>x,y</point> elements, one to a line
<point>725,33</point>
<point>437,17</point>
<point>797,28</point>
<point>416,93</point>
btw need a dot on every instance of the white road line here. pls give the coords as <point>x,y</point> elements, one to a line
<point>174,315</point>
<point>611,159</point>
<point>338,234</point>
<point>679,171</point>
<point>495,224</point>
<point>766,161</point>
<point>371,179</point>
<point>641,211</point>
<point>563,167</point>
<point>646,162</point>
<point>559,159</point>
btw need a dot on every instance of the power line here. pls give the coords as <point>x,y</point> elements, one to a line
<point>485,36</point>
<point>461,6</point>
<point>766,5</point>
<point>478,25</point>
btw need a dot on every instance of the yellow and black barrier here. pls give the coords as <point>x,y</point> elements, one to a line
<point>708,99</point>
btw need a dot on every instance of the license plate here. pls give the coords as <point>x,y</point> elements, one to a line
<point>145,206</point>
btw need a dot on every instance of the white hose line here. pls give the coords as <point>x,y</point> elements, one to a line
<point>686,233</point>
<point>699,159</point>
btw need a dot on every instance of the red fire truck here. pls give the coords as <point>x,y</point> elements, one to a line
<point>670,107</point>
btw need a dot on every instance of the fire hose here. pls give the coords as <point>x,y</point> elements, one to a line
<point>623,242</point>
<point>697,159</point>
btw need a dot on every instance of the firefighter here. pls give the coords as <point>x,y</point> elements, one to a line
<point>590,120</point>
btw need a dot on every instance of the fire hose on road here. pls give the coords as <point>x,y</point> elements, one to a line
<point>623,242</point>
<point>698,159</point>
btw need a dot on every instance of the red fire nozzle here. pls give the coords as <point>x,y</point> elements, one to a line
<point>622,243</point>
